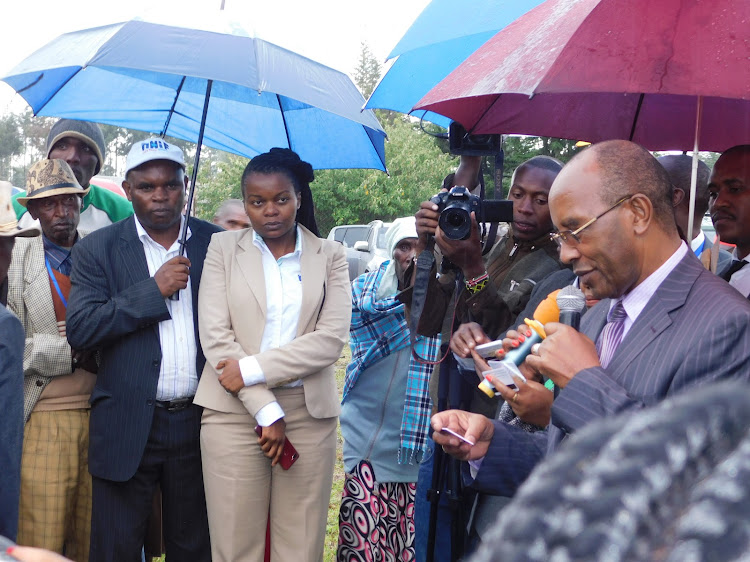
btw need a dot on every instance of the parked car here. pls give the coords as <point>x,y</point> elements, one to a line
<point>349,234</point>
<point>368,253</point>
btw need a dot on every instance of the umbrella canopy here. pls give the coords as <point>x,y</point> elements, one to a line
<point>603,69</point>
<point>154,77</point>
<point>440,39</point>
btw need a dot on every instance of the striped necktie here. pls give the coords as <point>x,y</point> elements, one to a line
<point>611,335</point>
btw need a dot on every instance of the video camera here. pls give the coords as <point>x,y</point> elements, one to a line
<point>462,143</point>
<point>456,206</point>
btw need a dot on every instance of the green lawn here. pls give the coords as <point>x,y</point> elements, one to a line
<point>332,527</point>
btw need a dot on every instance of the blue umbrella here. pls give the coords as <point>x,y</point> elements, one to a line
<point>248,94</point>
<point>441,38</point>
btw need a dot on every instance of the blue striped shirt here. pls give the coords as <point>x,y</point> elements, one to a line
<point>58,257</point>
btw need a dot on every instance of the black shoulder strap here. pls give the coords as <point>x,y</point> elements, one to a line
<point>421,280</point>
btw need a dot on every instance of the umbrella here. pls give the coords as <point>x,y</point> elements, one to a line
<point>214,84</point>
<point>671,74</point>
<point>441,38</point>
<point>154,77</point>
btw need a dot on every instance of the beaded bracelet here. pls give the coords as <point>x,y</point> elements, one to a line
<point>477,284</point>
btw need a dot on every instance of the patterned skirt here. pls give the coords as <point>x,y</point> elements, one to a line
<point>376,520</point>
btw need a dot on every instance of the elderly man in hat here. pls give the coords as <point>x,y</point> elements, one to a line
<point>11,374</point>
<point>81,144</point>
<point>55,508</point>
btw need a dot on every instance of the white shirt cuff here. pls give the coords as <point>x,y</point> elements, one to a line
<point>251,371</point>
<point>474,466</point>
<point>269,414</point>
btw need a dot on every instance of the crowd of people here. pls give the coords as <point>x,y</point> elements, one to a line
<point>179,395</point>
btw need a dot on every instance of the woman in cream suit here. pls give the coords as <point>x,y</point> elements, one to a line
<point>274,311</point>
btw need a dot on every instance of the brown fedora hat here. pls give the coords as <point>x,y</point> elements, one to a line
<point>48,178</point>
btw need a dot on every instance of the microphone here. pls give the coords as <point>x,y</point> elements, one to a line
<point>571,302</point>
<point>547,311</point>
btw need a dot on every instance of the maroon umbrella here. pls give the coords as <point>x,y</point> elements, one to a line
<point>667,74</point>
<point>603,69</point>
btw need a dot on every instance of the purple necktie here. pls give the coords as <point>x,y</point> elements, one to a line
<point>611,335</point>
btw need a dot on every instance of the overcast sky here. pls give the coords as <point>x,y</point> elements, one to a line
<point>328,31</point>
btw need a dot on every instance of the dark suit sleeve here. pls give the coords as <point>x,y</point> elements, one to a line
<point>102,307</point>
<point>512,455</point>
<point>702,357</point>
<point>11,428</point>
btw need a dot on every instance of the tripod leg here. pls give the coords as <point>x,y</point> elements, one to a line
<point>433,496</point>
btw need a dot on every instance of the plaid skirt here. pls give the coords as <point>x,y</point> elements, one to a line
<point>376,519</point>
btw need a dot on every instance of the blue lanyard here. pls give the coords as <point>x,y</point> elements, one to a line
<point>54,282</point>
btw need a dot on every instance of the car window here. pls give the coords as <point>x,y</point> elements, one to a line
<point>380,243</point>
<point>354,234</point>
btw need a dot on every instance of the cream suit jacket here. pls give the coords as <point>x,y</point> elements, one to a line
<point>46,354</point>
<point>232,316</point>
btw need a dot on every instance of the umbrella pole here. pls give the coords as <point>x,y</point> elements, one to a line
<point>193,178</point>
<point>694,171</point>
<point>194,175</point>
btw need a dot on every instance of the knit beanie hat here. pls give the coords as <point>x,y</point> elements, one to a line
<point>88,132</point>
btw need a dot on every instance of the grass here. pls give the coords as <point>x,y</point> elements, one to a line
<point>332,526</point>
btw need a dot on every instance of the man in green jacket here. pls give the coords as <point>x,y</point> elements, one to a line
<point>81,145</point>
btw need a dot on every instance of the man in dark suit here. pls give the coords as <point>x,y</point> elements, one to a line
<point>665,323</point>
<point>144,428</point>
<point>729,197</point>
<point>679,167</point>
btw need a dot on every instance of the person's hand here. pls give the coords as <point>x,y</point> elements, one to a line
<point>85,359</point>
<point>32,554</point>
<point>465,254</point>
<point>475,427</point>
<point>513,339</point>
<point>532,401</point>
<point>231,376</point>
<point>427,222</point>
<point>272,439</point>
<point>173,275</point>
<point>564,353</point>
<point>466,338</point>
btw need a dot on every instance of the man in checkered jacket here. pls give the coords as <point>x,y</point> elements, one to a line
<point>55,504</point>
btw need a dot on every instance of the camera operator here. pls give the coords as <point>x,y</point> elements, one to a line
<point>520,259</point>
<point>496,287</point>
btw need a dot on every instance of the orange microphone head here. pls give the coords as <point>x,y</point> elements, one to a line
<point>548,311</point>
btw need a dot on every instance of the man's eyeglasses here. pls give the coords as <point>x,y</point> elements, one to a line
<point>570,237</point>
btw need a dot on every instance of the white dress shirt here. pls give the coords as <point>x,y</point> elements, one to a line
<point>740,280</point>
<point>178,376</point>
<point>283,279</point>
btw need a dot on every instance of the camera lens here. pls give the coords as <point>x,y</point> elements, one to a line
<point>455,219</point>
<point>455,223</point>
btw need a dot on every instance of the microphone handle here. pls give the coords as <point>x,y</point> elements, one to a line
<point>571,318</point>
<point>518,354</point>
